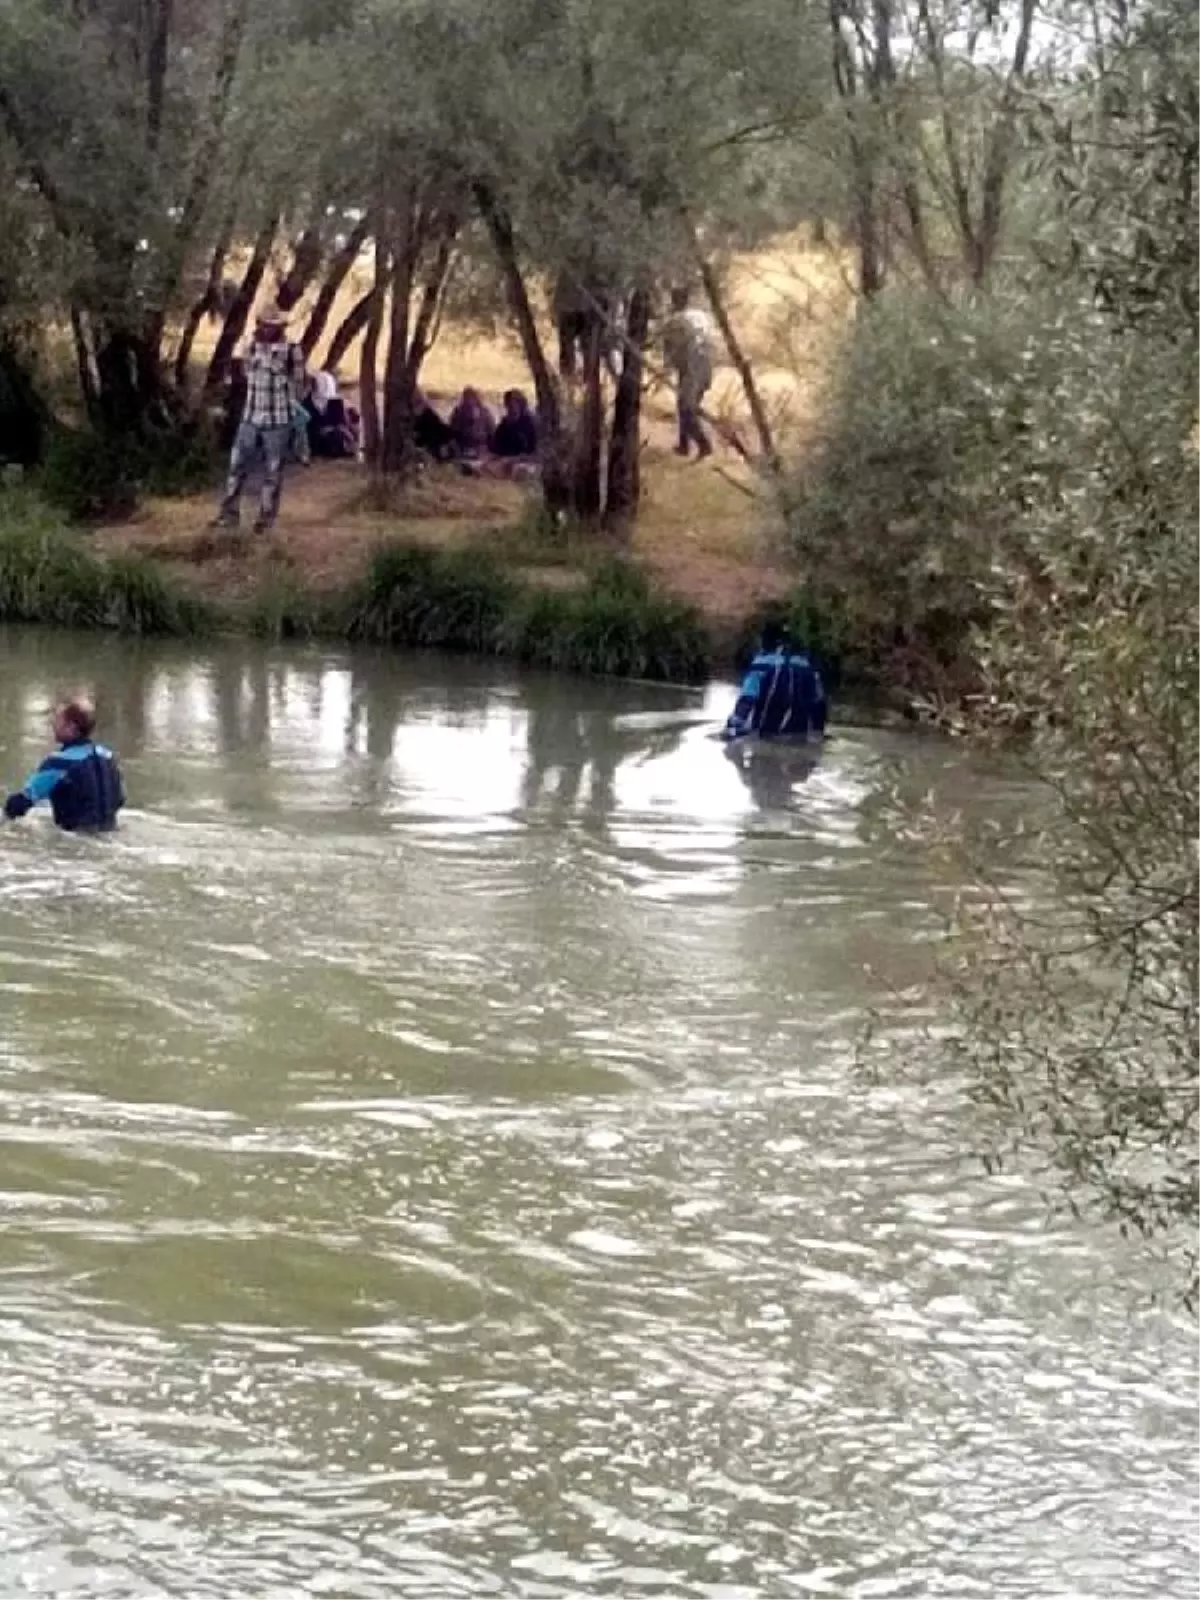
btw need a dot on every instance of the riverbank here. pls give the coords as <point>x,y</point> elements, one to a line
<point>701,537</point>
<point>511,588</point>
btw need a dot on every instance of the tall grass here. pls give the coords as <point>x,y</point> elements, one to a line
<point>282,609</point>
<point>616,624</point>
<point>48,576</point>
<point>443,599</point>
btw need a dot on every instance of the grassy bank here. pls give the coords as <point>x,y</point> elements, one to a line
<point>615,623</point>
<point>611,619</point>
<point>50,576</point>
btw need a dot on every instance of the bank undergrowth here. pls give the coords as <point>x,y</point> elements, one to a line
<point>613,623</point>
<point>49,577</point>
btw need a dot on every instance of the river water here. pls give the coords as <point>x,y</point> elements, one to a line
<point>433,1164</point>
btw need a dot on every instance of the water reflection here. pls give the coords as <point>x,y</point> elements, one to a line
<point>773,773</point>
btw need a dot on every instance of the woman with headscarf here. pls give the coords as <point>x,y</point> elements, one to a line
<point>472,425</point>
<point>430,434</point>
<point>515,438</point>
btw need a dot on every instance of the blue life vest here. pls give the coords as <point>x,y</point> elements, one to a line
<point>83,785</point>
<point>781,697</point>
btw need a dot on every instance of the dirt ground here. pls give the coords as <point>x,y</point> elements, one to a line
<point>705,531</point>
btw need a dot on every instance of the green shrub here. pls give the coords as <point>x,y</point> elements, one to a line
<point>182,462</point>
<point>48,576</point>
<point>448,600</point>
<point>90,474</point>
<point>616,626</point>
<point>891,519</point>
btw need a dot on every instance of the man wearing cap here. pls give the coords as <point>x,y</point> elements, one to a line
<point>274,371</point>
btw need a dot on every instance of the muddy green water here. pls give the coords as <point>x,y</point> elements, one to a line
<point>431,1165</point>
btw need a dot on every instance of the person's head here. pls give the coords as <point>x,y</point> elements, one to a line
<point>271,325</point>
<point>679,299</point>
<point>74,720</point>
<point>515,405</point>
<point>471,399</point>
<point>774,639</point>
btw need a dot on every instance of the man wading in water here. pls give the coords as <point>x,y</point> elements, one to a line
<point>274,375</point>
<point>80,779</point>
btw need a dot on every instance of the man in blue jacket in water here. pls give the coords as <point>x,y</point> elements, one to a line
<point>80,779</point>
<point>782,696</point>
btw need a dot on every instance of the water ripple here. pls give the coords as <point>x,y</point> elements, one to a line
<point>433,1165</point>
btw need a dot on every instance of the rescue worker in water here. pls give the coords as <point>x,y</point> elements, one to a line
<point>781,696</point>
<point>81,779</point>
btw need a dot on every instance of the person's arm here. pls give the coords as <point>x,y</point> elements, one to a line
<point>298,371</point>
<point>743,718</point>
<point>39,787</point>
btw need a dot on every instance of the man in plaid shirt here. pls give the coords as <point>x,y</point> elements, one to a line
<point>274,381</point>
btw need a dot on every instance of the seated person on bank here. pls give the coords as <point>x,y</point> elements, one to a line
<point>332,424</point>
<point>80,779</point>
<point>430,433</point>
<point>472,425</point>
<point>782,695</point>
<point>515,438</point>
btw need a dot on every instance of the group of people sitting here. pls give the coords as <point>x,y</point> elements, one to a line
<point>472,435</point>
<point>326,427</point>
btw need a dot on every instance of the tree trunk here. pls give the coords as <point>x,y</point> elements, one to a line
<point>368,382</point>
<point>129,384</point>
<point>355,320</point>
<point>339,270</point>
<point>556,487</point>
<point>587,456</point>
<point>758,411</point>
<point>158,46</point>
<point>306,262</point>
<point>863,162</point>
<point>999,155</point>
<point>205,162</point>
<point>83,366</point>
<point>426,326</point>
<point>397,452</point>
<point>625,443</point>
<point>243,303</point>
<point>203,306</point>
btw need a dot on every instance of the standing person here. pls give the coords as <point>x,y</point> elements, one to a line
<point>274,383</point>
<point>81,779</point>
<point>688,341</point>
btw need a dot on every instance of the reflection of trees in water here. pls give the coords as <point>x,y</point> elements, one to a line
<point>568,744</point>
<point>373,716</point>
<point>772,772</point>
<point>241,688</point>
